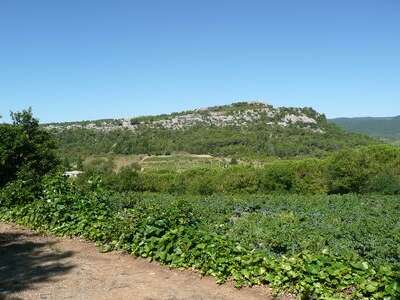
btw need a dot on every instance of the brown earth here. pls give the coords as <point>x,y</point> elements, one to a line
<point>33,266</point>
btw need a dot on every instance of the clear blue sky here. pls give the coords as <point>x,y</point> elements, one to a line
<point>88,59</point>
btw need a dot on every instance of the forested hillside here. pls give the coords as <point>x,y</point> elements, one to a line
<point>244,129</point>
<point>388,128</point>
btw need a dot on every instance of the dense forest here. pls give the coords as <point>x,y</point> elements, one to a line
<point>241,142</point>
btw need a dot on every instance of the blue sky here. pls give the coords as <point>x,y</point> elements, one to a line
<point>74,60</point>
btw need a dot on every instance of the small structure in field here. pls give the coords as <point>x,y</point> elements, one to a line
<point>73,174</point>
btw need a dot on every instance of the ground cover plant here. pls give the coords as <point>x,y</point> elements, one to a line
<point>315,246</point>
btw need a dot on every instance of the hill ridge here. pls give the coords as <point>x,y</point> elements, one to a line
<point>382,127</point>
<point>241,129</point>
<point>235,114</point>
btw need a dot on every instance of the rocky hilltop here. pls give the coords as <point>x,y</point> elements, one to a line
<point>237,114</point>
<point>252,129</point>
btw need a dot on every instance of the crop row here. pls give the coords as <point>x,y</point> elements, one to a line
<point>326,247</point>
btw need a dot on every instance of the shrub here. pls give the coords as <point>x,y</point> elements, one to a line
<point>388,184</point>
<point>99,166</point>
<point>201,181</point>
<point>19,191</point>
<point>364,170</point>
<point>127,179</point>
<point>277,177</point>
<point>353,171</point>
<point>26,150</point>
<point>27,153</point>
<point>160,181</point>
<point>237,179</point>
<point>309,177</point>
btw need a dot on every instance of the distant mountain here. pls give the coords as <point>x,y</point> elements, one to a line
<point>240,129</point>
<point>387,127</point>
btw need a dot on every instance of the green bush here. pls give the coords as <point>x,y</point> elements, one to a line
<point>19,191</point>
<point>277,177</point>
<point>26,150</point>
<point>27,153</point>
<point>127,179</point>
<point>385,183</point>
<point>373,169</point>
<point>160,181</point>
<point>238,179</point>
<point>309,177</point>
<point>357,170</point>
<point>203,185</point>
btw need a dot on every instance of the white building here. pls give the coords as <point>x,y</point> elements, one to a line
<point>73,174</point>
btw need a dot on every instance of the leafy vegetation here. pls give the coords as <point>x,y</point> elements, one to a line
<point>373,169</point>
<point>322,246</point>
<point>310,226</point>
<point>27,152</point>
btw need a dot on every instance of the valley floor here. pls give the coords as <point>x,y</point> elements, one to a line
<point>42,267</point>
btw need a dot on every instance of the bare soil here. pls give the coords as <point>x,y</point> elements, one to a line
<point>33,266</point>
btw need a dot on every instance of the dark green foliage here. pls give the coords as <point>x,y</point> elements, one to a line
<point>321,247</point>
<point>309,176</point>
<point>20,191</point>
<point>363,169</point>
<point>127,179</point>
<point>278,177</point>
<point>27,152</point>
<point>239,180</point>
<point>347,225</point>
<point>388,184</point>
<point>256,140</point>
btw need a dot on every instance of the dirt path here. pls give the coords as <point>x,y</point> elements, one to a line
<point>33,266</point>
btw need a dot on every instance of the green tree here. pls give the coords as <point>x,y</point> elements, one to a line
<point>27,152</point>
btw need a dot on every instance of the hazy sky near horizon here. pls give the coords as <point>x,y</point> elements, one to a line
<point>75,60</point>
